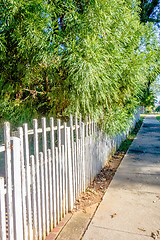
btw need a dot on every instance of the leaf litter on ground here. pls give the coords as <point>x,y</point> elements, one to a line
<point>96,190</point>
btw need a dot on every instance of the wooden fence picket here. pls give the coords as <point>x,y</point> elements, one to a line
<point>77,153</point>
<point>34,196</point>
<point>50,188</point>
<point>17,194</point>
<point>8,175</point>
<point>92,140</point>
<point>43,205</point>
<point>70,177</point>
<point>36,156</point>
<point>60,184</point>
<point>59,167</point>
<point>28,181</point>
<point>57,183</point>
<point>72,152</point>
<point>75,173</point>
<point>79,164</point>
<point>90,151</point>
<point>23,176</point>
<point>63,182</point>
<point>52,139</point>
<point>77,156</point>
<point>66,168</point>
<point>2,211</point>
<point>83,159</point>
<point>87,149</point>
<point>44,143</point>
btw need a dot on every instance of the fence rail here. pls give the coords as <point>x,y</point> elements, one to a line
<point>45,174</point>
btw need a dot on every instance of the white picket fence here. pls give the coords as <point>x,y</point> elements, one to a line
<point>39,189</point>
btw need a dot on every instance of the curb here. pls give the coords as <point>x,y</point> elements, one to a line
<point>55,232</point>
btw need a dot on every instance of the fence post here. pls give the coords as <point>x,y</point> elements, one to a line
<point>17,188</point>
<point>70,182</point>
<point>2,211</point>
<point>8,179</point>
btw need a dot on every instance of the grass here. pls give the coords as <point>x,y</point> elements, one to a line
<point>143,115</point>
<point>158,117</point>
<point>125,144</point>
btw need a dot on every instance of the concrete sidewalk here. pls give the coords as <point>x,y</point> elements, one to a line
<point>130,209</point>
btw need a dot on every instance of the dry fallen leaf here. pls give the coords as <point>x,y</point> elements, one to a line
<point>158,197</point>
<point>113,215</point>
<point>92,191</point>
<point>153,235</point>
<point>84,210</point>
<point>158,231</point>
<point>142,229</point>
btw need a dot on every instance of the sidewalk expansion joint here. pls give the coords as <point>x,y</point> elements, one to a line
<point>122,231</point>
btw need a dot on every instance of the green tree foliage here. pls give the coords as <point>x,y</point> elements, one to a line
<point>25,45</point>
<point>157,109</point>
<point>90,56</point>
<point>150,11</point>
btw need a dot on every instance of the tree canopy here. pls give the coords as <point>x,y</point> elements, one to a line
<point>60,57</point>
<point>150,11</point>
